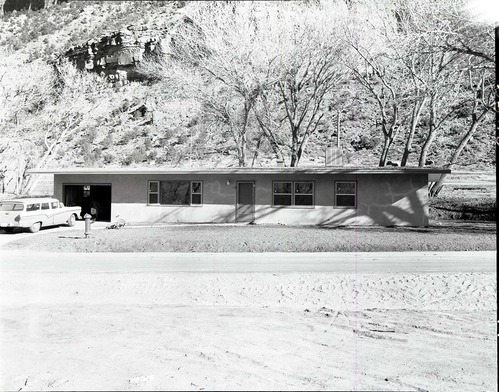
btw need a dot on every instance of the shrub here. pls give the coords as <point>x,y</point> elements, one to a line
<point>127,137</point>
<point>107,141</point>
<point>138,155</point>
<point>463,208</point>
<point>107,158</point>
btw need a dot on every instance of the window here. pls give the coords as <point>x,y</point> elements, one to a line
<point>55,204</point>
<point>45,206</point>
<point>196,193</point>
<point>33,207</point>
<point>304,193</point>
<point>153,192</point>
<point>345,194</point>
<point>175,192</point>
<point>299,193</point>
<point>11,207</point>
<point>282,193</point>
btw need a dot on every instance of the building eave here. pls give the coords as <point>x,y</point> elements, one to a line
<point>243,171</point>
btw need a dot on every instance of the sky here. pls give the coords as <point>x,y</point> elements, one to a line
<point>486,11</point>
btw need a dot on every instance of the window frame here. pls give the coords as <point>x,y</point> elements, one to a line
<point>336,194</point>
<point>304,194</point>
<point>282,194</point>
<point>149,193</point>
<point>158,193</point>
<point>32,204</point>
<point>196,193</point>
<point>293,194</point>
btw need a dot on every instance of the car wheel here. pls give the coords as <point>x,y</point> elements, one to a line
<point>8,229</point>
<point>35,227</point>
<point>72,220</point>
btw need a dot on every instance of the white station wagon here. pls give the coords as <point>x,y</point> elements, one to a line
<point>34,213</point>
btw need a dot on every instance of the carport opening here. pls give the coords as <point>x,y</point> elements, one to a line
<point>93,199</point>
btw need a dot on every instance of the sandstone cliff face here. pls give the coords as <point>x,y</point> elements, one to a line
<point>7,6</point>
<point>116,55</point>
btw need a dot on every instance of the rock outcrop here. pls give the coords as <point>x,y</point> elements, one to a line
<point>7,6</point>
<point>117,54</point>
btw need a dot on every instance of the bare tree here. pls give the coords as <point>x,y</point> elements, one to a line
<point>78,102</point>
<point>303,87</point>
<point>481,84</point>
<point>214,55</point>
<point>307,66</point>
<point>384,85</point>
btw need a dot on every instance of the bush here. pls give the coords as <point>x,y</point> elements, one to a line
<point>365,142</point>
<point>108,158</point>
<point>138,155</point>
<point>127,137</point>
<point>479,209</point>
<point>107,141</point>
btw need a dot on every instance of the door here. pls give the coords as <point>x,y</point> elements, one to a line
<point>245,207</point>
<point>94,199</point>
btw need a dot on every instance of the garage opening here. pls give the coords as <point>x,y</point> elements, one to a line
<point>94,199</point>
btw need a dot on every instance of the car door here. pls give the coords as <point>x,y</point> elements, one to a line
<point>32,215</point>
<point>47,215</point>
<point>57,212</point>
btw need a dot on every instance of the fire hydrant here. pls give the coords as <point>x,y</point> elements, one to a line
<point>87,218</point>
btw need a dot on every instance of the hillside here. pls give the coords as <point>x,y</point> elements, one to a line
<point>51,114</point>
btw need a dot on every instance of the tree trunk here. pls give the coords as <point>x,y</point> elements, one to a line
<point>476,121</point>
<point>241,153</point>
<point>467,137</point>
<point>416,113</point>
<point>257,150</point>
<point>431,136</point>
<point>301,148</point>
<point>272,140</point>
<point>294,148</point>
<point>384,152</point>
<point>426,148</point>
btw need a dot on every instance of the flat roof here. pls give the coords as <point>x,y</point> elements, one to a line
<point>28,199</point>
<point>245,170</point>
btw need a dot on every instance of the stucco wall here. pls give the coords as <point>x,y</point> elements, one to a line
<point>383,199</point>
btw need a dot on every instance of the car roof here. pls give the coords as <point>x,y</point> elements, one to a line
<point>29,200</point>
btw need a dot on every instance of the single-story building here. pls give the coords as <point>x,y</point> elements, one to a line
<point>276,195</point>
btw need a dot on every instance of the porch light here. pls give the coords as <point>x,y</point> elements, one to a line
<point>228,182</point>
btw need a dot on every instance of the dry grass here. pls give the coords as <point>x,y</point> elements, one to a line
<point>455,236</point>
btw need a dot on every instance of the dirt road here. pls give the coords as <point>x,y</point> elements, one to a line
<point>345,262</point>
<point>385,321</point>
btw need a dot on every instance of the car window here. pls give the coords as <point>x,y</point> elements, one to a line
<point>11,207</point>
<point>45,206</point>
<point>33,207</point>
<point>55,204</point>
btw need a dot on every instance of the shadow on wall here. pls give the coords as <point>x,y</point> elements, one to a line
<point>403,202</point>
<point>413,212</point>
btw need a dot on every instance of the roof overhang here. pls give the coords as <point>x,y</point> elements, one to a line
<point>244,170</point>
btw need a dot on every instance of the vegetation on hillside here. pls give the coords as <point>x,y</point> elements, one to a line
<point>246,83</point>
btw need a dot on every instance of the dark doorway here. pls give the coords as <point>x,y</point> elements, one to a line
<point>245,208</point>
<point>93,199</point>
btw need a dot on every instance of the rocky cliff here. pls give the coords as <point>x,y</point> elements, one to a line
<point>7,6</point>
<point>116,55</point>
